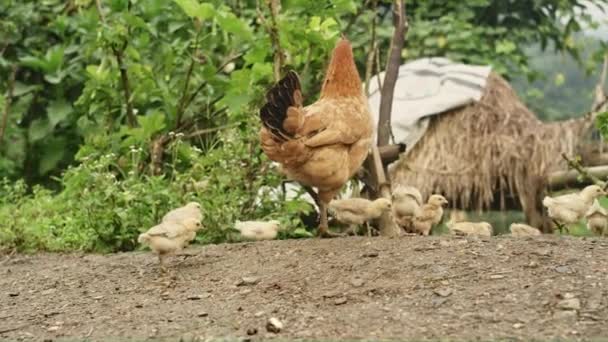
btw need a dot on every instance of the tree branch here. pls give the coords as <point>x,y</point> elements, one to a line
<point>392,70</point>
<point>273,31</point>
<point>576,165</point>
<point>8,101</point>
<point>182,101</point>
<point>369,64</point>
<point>124,77</point>
<point>230,58</point>
<point>600,99</point>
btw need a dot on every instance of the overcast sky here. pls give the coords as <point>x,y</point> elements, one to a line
<point>601,18</point>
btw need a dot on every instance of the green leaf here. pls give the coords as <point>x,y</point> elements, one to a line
<point>195,10</point>
<point>232,24</point>
<point>559,79</point>
<point>33,62</point>
<point>58,111</point>
<point>54,151</point>
<point>151,123</point>
<point>39,129</point>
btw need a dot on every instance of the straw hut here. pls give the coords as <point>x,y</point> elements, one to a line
<point>491,154</point>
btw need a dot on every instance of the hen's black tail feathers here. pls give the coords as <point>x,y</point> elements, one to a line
<point>278,99</point>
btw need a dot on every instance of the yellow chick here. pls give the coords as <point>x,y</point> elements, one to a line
<point>190,210</point>
<point>357,211</point>
<point>570,208</point>
<point>520,229</point>
<point>169,237</point>
<point>597,219</point>
<point>430,215</point>
<point>258,230</point>
<point>470,228</point>
<point>406,203</point>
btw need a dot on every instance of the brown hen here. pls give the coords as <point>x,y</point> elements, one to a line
<point>323,144</point>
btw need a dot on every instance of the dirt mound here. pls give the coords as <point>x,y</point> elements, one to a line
<point>407,288</point>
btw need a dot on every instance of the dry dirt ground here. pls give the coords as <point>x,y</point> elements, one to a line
<point>351,288</point>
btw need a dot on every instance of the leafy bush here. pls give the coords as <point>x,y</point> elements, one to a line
<point>105,202</point>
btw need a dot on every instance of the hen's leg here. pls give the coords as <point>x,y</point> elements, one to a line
<point>323,231</point>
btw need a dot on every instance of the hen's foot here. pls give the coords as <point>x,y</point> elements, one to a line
<point>324,232</point>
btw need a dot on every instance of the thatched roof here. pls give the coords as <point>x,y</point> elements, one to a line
<point>494,146</point>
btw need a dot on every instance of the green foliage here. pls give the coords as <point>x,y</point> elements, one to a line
<point>117,116</point>
<point>106,202</point>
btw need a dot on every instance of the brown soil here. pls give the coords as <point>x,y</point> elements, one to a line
<point>353,288</point>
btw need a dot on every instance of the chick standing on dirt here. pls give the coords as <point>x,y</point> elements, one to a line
<point>520,229</point>
<point>430,214</point>
<point>169,237</point>
<point>407,203</point>
<point>597,219</point>
<point>258,230</point>
<point>357,211</point>
<point>470,228</point>
<point>570,208</point>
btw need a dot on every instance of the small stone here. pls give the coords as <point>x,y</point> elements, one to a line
<point>438,301</point>
<point>497,276</point>
<point>274,325</point>
<point>53,328</point>
<point>340,301</point>
<point>203,314</point>
<point>370,255</point>
<point>194,297</point>
<point>444,292</point>
<point>569,304</point>
<point>98,297</point>
<point>532,264</point>
<point>139,306</point>
<point>568,295</point>
<point>518,326</point>
<point>258,314</point>
<point>252,331</point>
<point>357,282</point>
<point>13,294</point>
<point>563,269</point>
<point>565,315</point>
<point>248,281</point>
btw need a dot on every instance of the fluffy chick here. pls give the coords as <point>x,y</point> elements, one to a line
<point>470,228</point>
<point>190,210</point>
<point>430,214</point>
<point>570,208</point>
<point>597,219</point>
<point>357,211</point>
<point>407,203</point>
<point>169,237</point>
<point>258,230</point>
<point>520,229</point>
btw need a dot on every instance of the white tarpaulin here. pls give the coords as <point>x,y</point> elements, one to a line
<point>426,87</point>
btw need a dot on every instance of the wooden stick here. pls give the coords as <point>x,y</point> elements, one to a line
<point>392,71</point>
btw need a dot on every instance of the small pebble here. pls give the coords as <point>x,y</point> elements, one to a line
<point>252,331</point>
<point>248,281</point>
<point>274,325</point>
<point>203,314</point>
<point>569,304</point>
<point>340,301</point>
<point>443,292</point>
